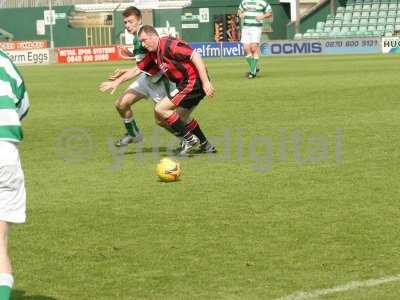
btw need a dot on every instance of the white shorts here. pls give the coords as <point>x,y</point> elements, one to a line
<point>155,91</point>
<point>251,34</point>
<point>12,185</point>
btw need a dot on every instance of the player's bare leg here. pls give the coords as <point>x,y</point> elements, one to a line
<point>6,278</point>
<point>123,106</point>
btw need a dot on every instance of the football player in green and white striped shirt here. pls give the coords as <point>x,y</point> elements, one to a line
<point>14,105</point>
<point>252,13</point>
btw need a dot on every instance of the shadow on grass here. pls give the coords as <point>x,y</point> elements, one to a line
<point>150,150</point>
<point>21,295</point>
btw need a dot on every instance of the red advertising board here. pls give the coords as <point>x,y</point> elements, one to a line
<point>24,45</point>
<point>90,54</point>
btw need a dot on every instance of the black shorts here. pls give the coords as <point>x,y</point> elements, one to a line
<point>190,96</point>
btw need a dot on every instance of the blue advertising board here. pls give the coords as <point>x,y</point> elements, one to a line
<point>218,49</point>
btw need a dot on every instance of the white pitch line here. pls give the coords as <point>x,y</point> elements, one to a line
<point>340,288</point>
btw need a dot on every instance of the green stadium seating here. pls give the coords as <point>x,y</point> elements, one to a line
<point>320,25</point>
<point>390,20</point>
<point>298,36</point>
<point>348,16</point>
<point>365,14</point>
<point>382,14</point>
<point>380,27</point>
<point>339,16</point>
<point>349,7</point>
<point>340,9</point>
<point>389,28</point>
<point>373,14</point>
<point>329,22</point>
<point>359,18</point>
<point>384,6</point>
<point>338,23</point>
<point>366,7</point>
<point>375,6</point>
<point>381,21</point>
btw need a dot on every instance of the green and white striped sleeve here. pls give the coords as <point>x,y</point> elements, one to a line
<point>14,100</point>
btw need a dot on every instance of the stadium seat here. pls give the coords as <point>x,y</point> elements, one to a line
<point>373,14</point>
<point>382,14</point>
<point>372,21</point>
<point>380,28</point>
<point>320,25</point>
<point>397,20</point>
<point>392,13</point>
<point>375,6</point>
<point>357,7</point>
<point>381,21</point>
<point>389,28</point>
<point>371,28</point>
<point>298,36</point>
<point>340,9</point>
<point>384,6</point>
<point>339,16</point>
<point>347,16</point>
<point>397,27</point>
<point>390,20</point>
<point>345,29</point>
<point>338,23</point>
<point>365,14</point>
<point>388,34</point>
<point>366,7</point>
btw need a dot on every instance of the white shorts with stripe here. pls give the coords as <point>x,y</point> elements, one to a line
<point>12,184</point>
<point>251,34</point>
<point>154,91</point>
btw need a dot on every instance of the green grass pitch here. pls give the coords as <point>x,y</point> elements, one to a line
<point>303,194</point>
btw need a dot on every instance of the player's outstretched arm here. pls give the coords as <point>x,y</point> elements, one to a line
<point>117,73</point>
<point>112,85</point>
<point>201,67</point>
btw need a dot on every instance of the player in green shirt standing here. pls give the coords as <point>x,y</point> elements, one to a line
<point>14,105</point>
<point>252,14</point>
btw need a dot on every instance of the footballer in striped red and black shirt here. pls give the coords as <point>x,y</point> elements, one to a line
<point>184,66</point>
